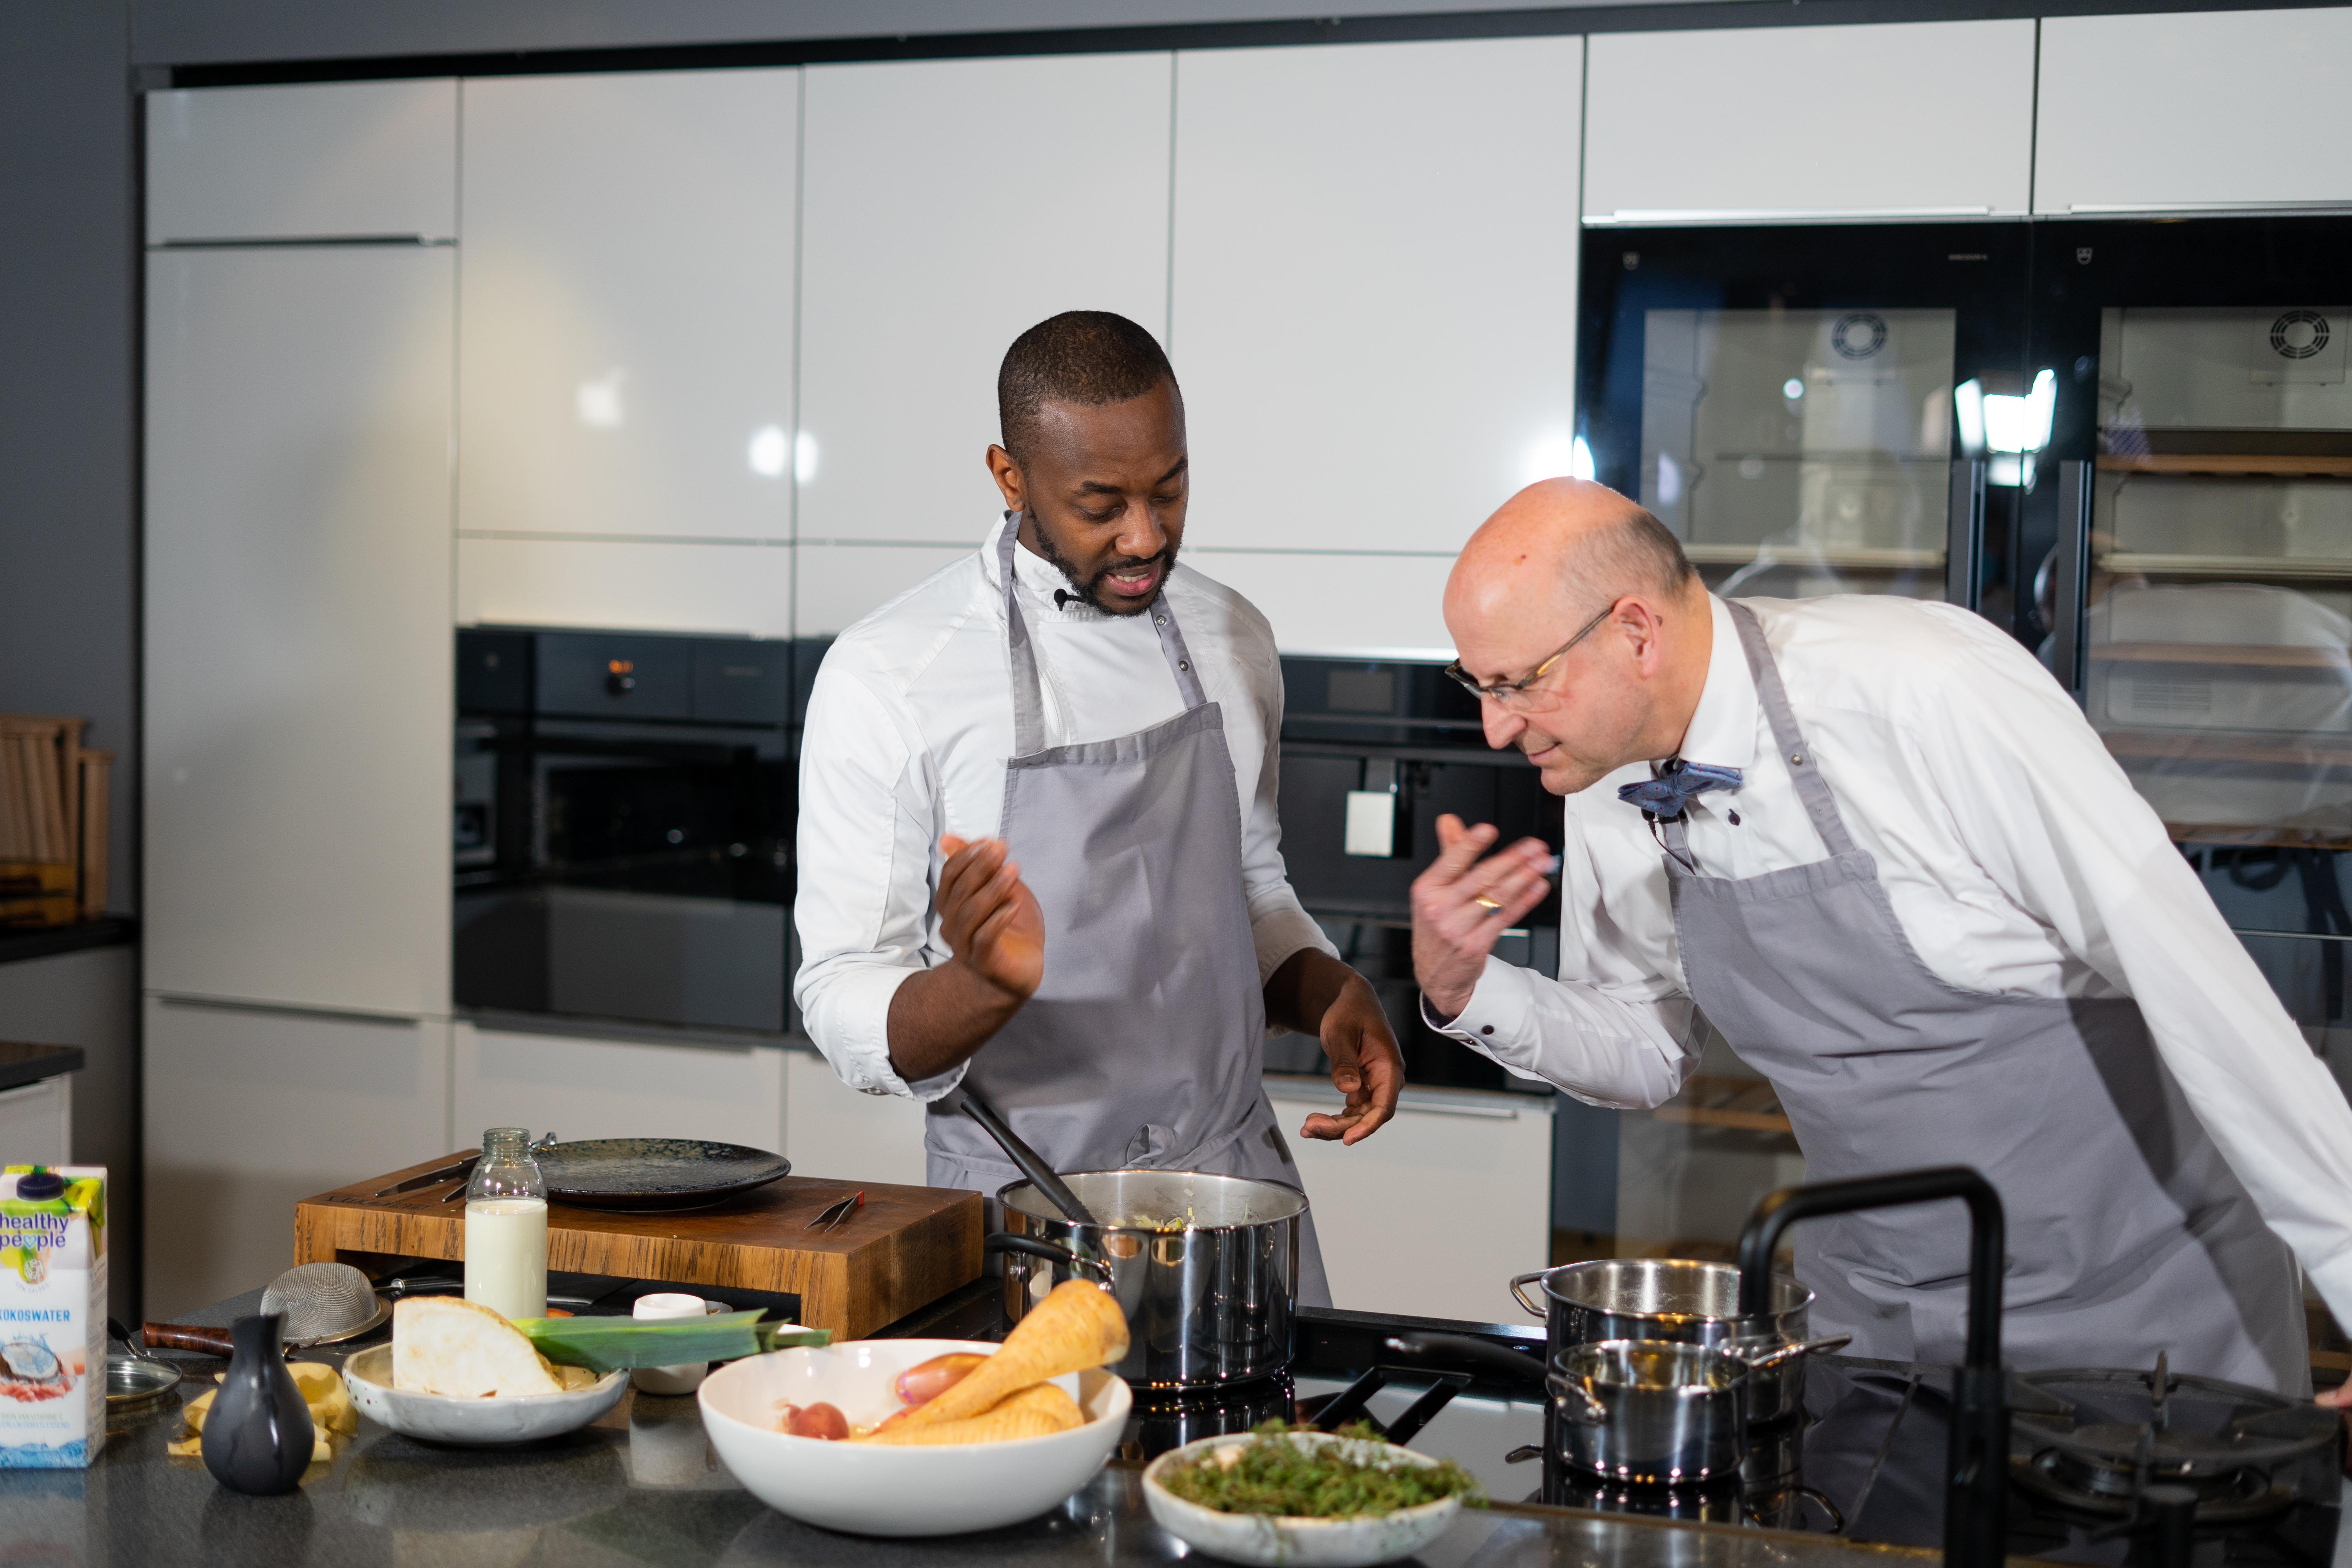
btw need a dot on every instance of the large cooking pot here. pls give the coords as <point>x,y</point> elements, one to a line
<point>1688,1302</point>
<point>1205,1267</point>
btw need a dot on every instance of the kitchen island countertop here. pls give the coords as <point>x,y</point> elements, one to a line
<point>642,1487</point>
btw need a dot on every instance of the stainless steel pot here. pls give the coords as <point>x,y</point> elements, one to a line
<point>1653,1412</point>
<point>1685,1302</point>
<point>1205,1267</point>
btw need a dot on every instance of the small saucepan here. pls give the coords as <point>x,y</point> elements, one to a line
<point>1685,1302</point>
<point>1648,1411</point>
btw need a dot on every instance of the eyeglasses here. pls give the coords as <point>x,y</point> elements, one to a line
<point>1515,693</point>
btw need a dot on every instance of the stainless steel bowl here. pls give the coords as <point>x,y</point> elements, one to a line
<point>1682,1301</point>
<point>1205,1267</point>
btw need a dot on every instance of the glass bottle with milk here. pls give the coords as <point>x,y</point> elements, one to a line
<point>506,1228</point>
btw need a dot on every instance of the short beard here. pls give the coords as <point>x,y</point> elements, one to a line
<point>1091,589</point>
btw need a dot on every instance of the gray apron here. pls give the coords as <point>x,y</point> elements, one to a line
<point>1145,1044</point>
<point>2127,1232</point>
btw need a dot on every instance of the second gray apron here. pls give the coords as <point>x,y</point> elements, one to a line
<point>1145,1044</point>
<point>2128,1233</point>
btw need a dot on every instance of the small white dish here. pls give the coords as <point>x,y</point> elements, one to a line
<point>870,1490</point>
<point>446,1418</point>
<point>684,1377</point>
<point>1266,1540</point>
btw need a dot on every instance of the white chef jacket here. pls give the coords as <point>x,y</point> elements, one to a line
<point>906,738</point>
<point>2019,860</point>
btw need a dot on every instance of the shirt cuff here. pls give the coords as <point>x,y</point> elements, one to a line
<point>1498,1014</point>
<point>852,1026</point>
<point>1282,930</point>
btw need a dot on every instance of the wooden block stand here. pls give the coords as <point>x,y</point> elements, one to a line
<point>907,1247</point>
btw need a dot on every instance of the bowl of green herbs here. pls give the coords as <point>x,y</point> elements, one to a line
<point>1290,1497</point>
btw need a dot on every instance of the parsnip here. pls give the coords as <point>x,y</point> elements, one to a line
<point>1036,1411</point>
<point>1076,1327</point>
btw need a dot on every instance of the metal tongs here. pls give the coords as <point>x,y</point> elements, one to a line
<point>836,1215</point>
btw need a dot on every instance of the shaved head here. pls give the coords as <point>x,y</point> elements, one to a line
<point>1584,541</point>
<point>1557,555</point>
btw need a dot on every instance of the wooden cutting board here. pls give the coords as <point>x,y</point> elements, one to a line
<point>904,1250</point>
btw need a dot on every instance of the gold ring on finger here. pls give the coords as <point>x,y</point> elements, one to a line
<point>1486,903</point>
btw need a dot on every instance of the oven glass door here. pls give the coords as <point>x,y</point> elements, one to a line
<point>2205,426</point>
<point>1798,405</point>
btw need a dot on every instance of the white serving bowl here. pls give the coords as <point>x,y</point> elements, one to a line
<point>1267,1540</point>
<point>872,1490</point>
<point>449,1418</point>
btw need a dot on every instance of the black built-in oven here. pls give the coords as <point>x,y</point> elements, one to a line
<point>623,837</point>
<point>1373,752</point>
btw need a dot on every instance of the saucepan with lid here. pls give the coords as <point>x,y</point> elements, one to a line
<point>1205,1267</point>
<point>1687,1302</point>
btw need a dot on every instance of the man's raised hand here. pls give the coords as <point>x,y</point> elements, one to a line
<point>990,918</point>
<point>1461,903</point>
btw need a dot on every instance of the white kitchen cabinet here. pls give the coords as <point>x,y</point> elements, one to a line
<point>949,205</point>
<point>625,304</point>
<point>584,1088</point>
<point>832,1131</point>
<point>1891,119</point>
<point>332,161</point>
<point>634,584</point>
<point>1433,1214</point>
<point>298,648</point>
<point>1340,605</point>
<point>1374,314</point>
<point>2193,111</point>
<point>840,582</point>
<point>248,1111</point>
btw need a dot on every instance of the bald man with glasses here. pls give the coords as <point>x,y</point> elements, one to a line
<point>1874,846</point>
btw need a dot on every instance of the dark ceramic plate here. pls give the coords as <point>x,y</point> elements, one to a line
<point>655,1172</point>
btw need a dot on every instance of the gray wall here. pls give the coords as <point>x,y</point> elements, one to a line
<point>68,271</point>
<point>90,999</point>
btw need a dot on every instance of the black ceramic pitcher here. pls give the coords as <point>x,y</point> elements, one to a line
<point>257,1438</point>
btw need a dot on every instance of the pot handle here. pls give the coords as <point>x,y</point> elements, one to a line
<point>1578,1402</point>
<point>1005,1241</point>
<point>1790,1352</point>
<point>1520,1294</point>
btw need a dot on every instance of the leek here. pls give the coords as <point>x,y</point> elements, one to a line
<point>613,1345</point>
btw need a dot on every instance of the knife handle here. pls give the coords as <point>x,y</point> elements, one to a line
<point>188,1337</point>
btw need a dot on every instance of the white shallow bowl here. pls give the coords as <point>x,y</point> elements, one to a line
<point>446,1418</point>
<point>874,1490</point>
<point>1267,1540</point>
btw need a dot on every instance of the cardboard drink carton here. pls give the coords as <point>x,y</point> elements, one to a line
<point>52,1316</point>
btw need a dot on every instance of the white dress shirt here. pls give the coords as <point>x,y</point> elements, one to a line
<point>905,739</point>
<point>2019,860</point>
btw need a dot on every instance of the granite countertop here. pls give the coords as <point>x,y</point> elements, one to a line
<point>641,1489</point>
<point>24,1063</point>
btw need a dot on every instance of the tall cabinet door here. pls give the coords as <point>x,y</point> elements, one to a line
<point>951,205</point>
<point>298,652</point>
<point>625,379</point>
<point>1374,317</point>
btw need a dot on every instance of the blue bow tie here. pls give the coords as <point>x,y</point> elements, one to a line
<point>1677,780</point>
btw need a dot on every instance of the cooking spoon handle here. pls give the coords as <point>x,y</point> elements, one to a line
<point>188,1337</point>
<point>1041,1175</point>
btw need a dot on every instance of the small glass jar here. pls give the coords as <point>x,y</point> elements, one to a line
<point>506,1226</point>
